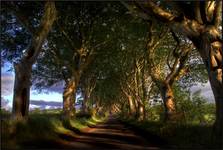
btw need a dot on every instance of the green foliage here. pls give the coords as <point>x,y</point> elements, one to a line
<point>195,108</point>
<point>15,36</point>
<point>196,71</point>
<point>155,113</point>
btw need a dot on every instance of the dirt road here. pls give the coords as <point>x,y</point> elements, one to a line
<point>110,135</point>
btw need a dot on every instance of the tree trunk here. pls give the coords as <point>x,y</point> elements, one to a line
<point>141,113</point>
<point>69,97</point>
<point>131,106</point>
<point>23,69</point>
<point>21,90</point>
<point>209,44</point>
<point>211,53</point>
<point>169,104</point>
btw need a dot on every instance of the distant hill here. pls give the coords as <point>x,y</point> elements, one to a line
<point>41,104</point>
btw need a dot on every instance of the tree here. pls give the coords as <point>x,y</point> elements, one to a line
<point>200,21</point>
<point>23,68</point>
<point>73,46</point>
<point>165,73</point>
<point>87,84</point>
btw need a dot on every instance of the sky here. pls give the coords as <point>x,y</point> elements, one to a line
<point>55,93</point>
<point>7,83</point>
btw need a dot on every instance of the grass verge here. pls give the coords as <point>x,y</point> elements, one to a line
<point>178,135</point>
<point>41,130</point>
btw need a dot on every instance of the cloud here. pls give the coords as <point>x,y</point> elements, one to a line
<point>43,103</point>
<point>7,83</point>
<point>206,91</point>
<point>58,87</point>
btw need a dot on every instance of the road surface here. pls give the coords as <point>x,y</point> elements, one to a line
<point>110,135</point>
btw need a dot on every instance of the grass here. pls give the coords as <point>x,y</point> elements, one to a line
<point>40,126</point>
<point>178,135</point>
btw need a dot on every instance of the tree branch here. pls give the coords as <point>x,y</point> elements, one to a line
<point>135,12</point>
<point>209,10</point>
<point>168,60</point>
<point>44,28</point>
<point>69,41</point>
<point>158,12</point>
<point>177,46</point>
<point>217,13</point>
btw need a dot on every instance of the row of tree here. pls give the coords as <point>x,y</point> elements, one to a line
<point>118,55</point>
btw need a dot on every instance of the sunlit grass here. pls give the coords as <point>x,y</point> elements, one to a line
<point>41,125</point>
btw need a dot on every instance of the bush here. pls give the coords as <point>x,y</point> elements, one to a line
<point>155,113</point>
<point>196,109</point>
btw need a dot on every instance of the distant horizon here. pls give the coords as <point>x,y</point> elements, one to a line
<point>53,94</point>
<point>42,105</point>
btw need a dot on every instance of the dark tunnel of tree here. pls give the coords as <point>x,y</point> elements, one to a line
<point>133,59</point>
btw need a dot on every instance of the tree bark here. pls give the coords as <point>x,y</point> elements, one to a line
<point>131,106</point>
<point>69,97</point>
<point>169,103</point>
<point>141,113</point>
<point>211,53</point>
<point>21,90</point>
<point>23,69</point>
<point>209,45</point>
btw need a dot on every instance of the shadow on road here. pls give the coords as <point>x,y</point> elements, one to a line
<point>109,135</point>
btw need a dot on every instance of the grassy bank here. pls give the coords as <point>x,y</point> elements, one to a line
<point>41,129</point>
<point>178,135</point>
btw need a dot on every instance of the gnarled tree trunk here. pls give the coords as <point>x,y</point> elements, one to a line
<point>131,106</point>
<point>23,69</point>
<point>169,103</point>
<point>141,112</point>
<point>211,53</point>
<point>69,96</point>
<point>21,90</point>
